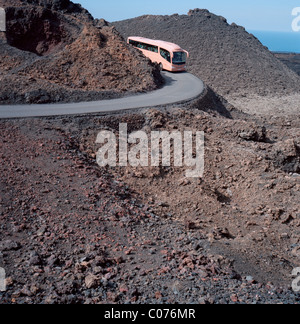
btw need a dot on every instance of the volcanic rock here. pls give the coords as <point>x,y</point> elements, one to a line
<point>53,52</point>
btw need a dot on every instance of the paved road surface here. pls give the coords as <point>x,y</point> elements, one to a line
<point>179,87</point>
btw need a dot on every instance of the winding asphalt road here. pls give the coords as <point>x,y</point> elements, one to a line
<point>179,87</point>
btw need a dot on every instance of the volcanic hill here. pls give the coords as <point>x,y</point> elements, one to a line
<point>229,59</point>
<point>55,51</point>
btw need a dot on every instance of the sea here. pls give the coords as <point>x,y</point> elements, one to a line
<point>285,42</point>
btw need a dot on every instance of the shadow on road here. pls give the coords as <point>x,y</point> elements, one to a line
<point>214,103</point>
<point>169,81</point>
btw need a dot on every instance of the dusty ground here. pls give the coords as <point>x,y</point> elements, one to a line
<point>274,105</point>
<point>74,233</point>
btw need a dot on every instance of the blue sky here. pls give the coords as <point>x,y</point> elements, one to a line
<point>268,15</point>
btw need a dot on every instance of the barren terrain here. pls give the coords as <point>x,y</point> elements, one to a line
<point>72,232</point>
<point>53,54</point>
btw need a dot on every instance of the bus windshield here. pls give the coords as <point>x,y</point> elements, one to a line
<point>179,58</point>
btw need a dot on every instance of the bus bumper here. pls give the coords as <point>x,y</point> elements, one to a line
<point>178,68</point>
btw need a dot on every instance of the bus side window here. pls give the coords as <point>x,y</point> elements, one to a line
<point>144,46</point>
<point>165,54</point>
<point>133,43</point>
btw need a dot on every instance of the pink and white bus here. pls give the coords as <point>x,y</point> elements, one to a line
<point>169,56</point>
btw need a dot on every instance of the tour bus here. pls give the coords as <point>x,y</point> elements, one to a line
<point>169,56</point>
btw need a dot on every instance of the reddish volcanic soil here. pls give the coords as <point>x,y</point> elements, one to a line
<point>53,55</point>
<point>76,233</point>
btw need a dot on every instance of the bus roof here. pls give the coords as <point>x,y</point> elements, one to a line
<point>165,45</point>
